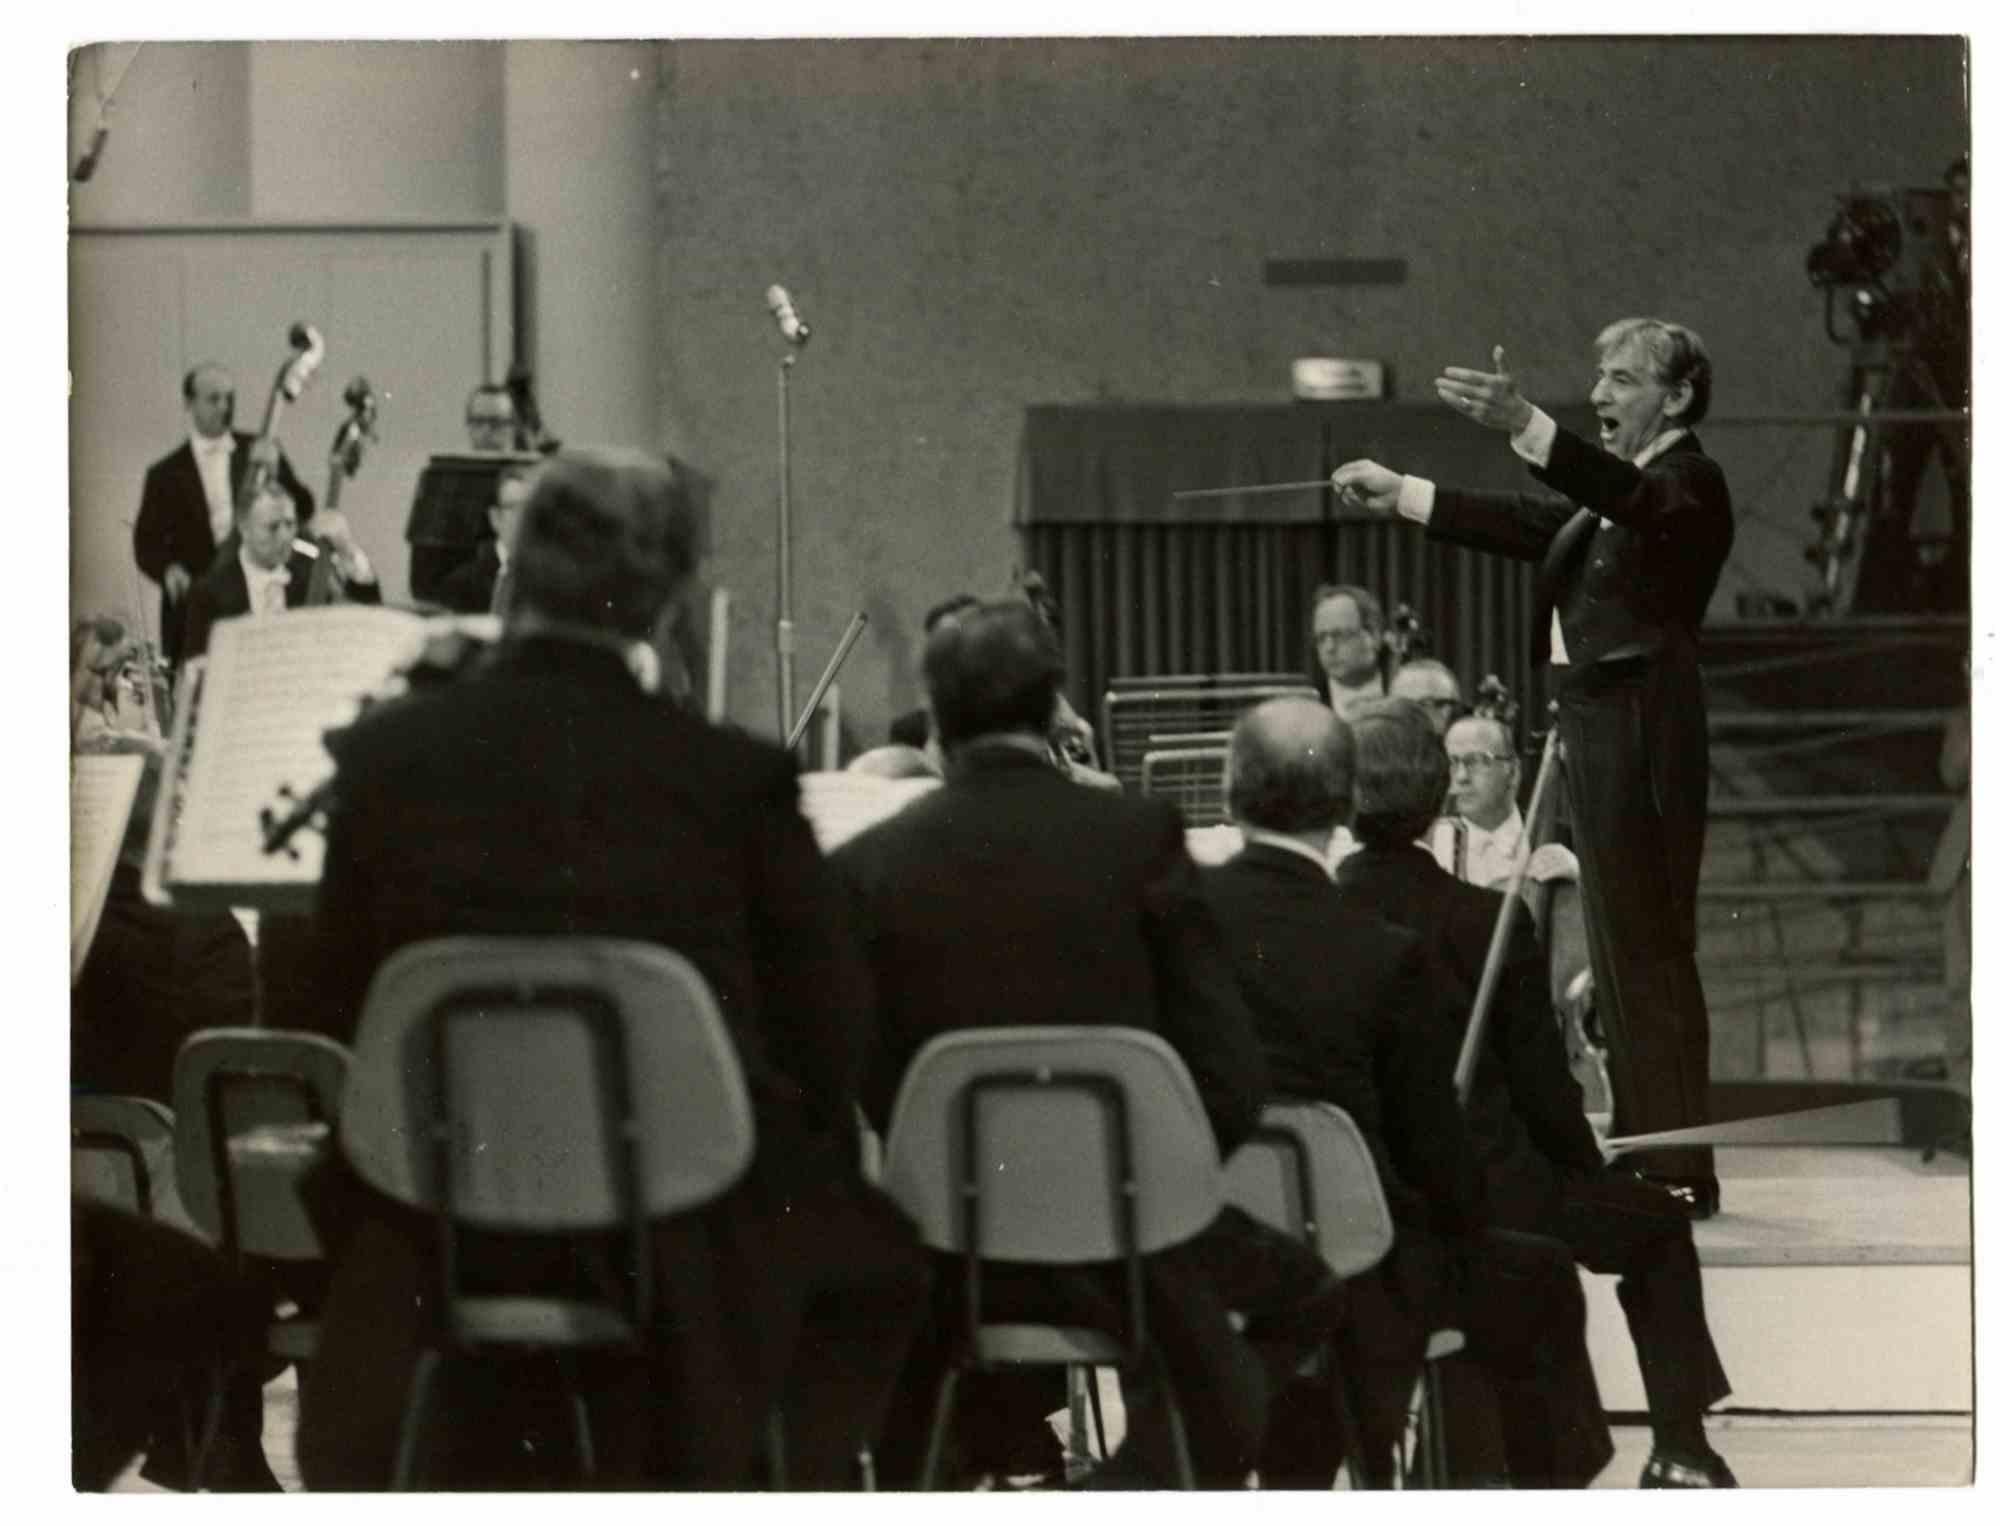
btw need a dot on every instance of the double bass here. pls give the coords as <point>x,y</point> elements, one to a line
<point>350,441</point>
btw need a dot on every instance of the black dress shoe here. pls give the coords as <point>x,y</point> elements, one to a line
<point>1665,1471</point>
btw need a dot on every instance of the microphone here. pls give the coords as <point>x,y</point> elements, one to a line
<point>789,323</point>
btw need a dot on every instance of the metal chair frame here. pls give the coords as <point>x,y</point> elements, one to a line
<point>1135,1348</point>
<point>1425,1411</point>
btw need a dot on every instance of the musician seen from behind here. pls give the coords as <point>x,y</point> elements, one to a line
<point>1628,548</point>
<point>1347,641</point>
<point>546,793</point>
<point>1009,896</point>
<point>272,570</point>
<point>187,507</point>
<point>475,587</point>
<point>489,418</point>
<point>1545,1174</point>
<point>1348,1011</point>
<point>1433,687</point>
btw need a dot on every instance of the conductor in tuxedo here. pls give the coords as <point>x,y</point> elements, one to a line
<point>546,793</point>
<point>264,569</point>
<point>1627,549</point>
<point>1014,895</point>
<point>187,507</point>
<point>1544,1172</point>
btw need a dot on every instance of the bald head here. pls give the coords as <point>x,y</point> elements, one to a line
<point>1291,768</point>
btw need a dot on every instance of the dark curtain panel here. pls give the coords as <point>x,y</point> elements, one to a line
<point>1150,586</point>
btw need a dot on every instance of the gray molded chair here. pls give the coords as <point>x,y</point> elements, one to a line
<point>117,1144</point>
<point>498,1084</point>
<point>1054,1146</point>
<point>254,1109</point>
<point>1307,1171</point>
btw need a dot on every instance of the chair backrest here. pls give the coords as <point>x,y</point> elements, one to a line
<point>533,1049</point>
<point>117,1149</point>
<point>1049,1143</point>
<point>254,1108</point>
<point>1307,1171</point>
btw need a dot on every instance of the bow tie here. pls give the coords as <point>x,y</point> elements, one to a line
<point>221,445</point>
<point>281,578</point>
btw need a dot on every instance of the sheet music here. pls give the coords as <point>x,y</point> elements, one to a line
<point>274,685</point>
<point>101,791</point>
<point>842,805</point>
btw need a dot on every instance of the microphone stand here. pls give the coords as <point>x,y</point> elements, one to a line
<point>1503,928</point>
<point>784,632</point>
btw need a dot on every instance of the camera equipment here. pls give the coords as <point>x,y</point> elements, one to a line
<point>1887,248</point>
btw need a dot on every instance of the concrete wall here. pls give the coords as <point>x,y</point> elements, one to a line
<point>972,227</point>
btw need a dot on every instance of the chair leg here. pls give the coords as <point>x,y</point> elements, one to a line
<point>947,1396</point>
<point>775,1474</point>
<point>416,1408</point>
<point>1176,1428</point>
<point>1346,1405</point>
<point>865,1461</point>
<point>1097,1413</point>
<point>1436,1474</point>
<point>211,1427</point>
<point>579,1415</point>
<point>1407,1444</point>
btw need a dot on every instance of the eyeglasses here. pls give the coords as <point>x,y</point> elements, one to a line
<point>1478,762</point>
<point>1356,630</point>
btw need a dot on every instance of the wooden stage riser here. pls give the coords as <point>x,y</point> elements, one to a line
<point>1815,1339</point>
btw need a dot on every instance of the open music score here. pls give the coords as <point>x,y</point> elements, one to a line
<point>842,805</point>
<point>102,789</point>
<point>252,719</point>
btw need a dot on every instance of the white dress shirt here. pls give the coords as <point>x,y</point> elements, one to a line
<point>211,459</point>
<point>1346,700</point>
<point>267,589</point>
<point>1532,443</point>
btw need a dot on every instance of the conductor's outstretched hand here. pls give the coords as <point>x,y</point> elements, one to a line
<point>1364,485</point>
<point>1486,397</point>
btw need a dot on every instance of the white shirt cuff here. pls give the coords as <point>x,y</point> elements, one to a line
<point>1536,438</point>
<point>1415,498</point>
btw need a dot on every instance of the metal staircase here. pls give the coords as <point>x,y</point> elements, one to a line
<point>1822,949</point>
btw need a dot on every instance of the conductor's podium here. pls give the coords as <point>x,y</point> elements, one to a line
<point>1838,1280</point>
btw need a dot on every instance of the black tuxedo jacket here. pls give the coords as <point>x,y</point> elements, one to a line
<point>1013,895</point>
<point>1526,1110</point>
<point>173,521</point>
<point>1636,586</point>
<point>1348,1012</point>
<point>468,588</point>
<point>222,593</point>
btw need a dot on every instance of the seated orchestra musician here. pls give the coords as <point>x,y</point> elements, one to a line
<point>1350,1011</point>
<point>545,793</point>
<point>477,586</point>
<point>1430,685</point>
<point>1545,1173</point>
<point>264,569</point>
<point>1011,895</point>
<point>187,507</point>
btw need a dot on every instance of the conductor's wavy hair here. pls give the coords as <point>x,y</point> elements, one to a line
<point>1677,355</point>
<point>1400,773</point>
<point>606,538</point>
